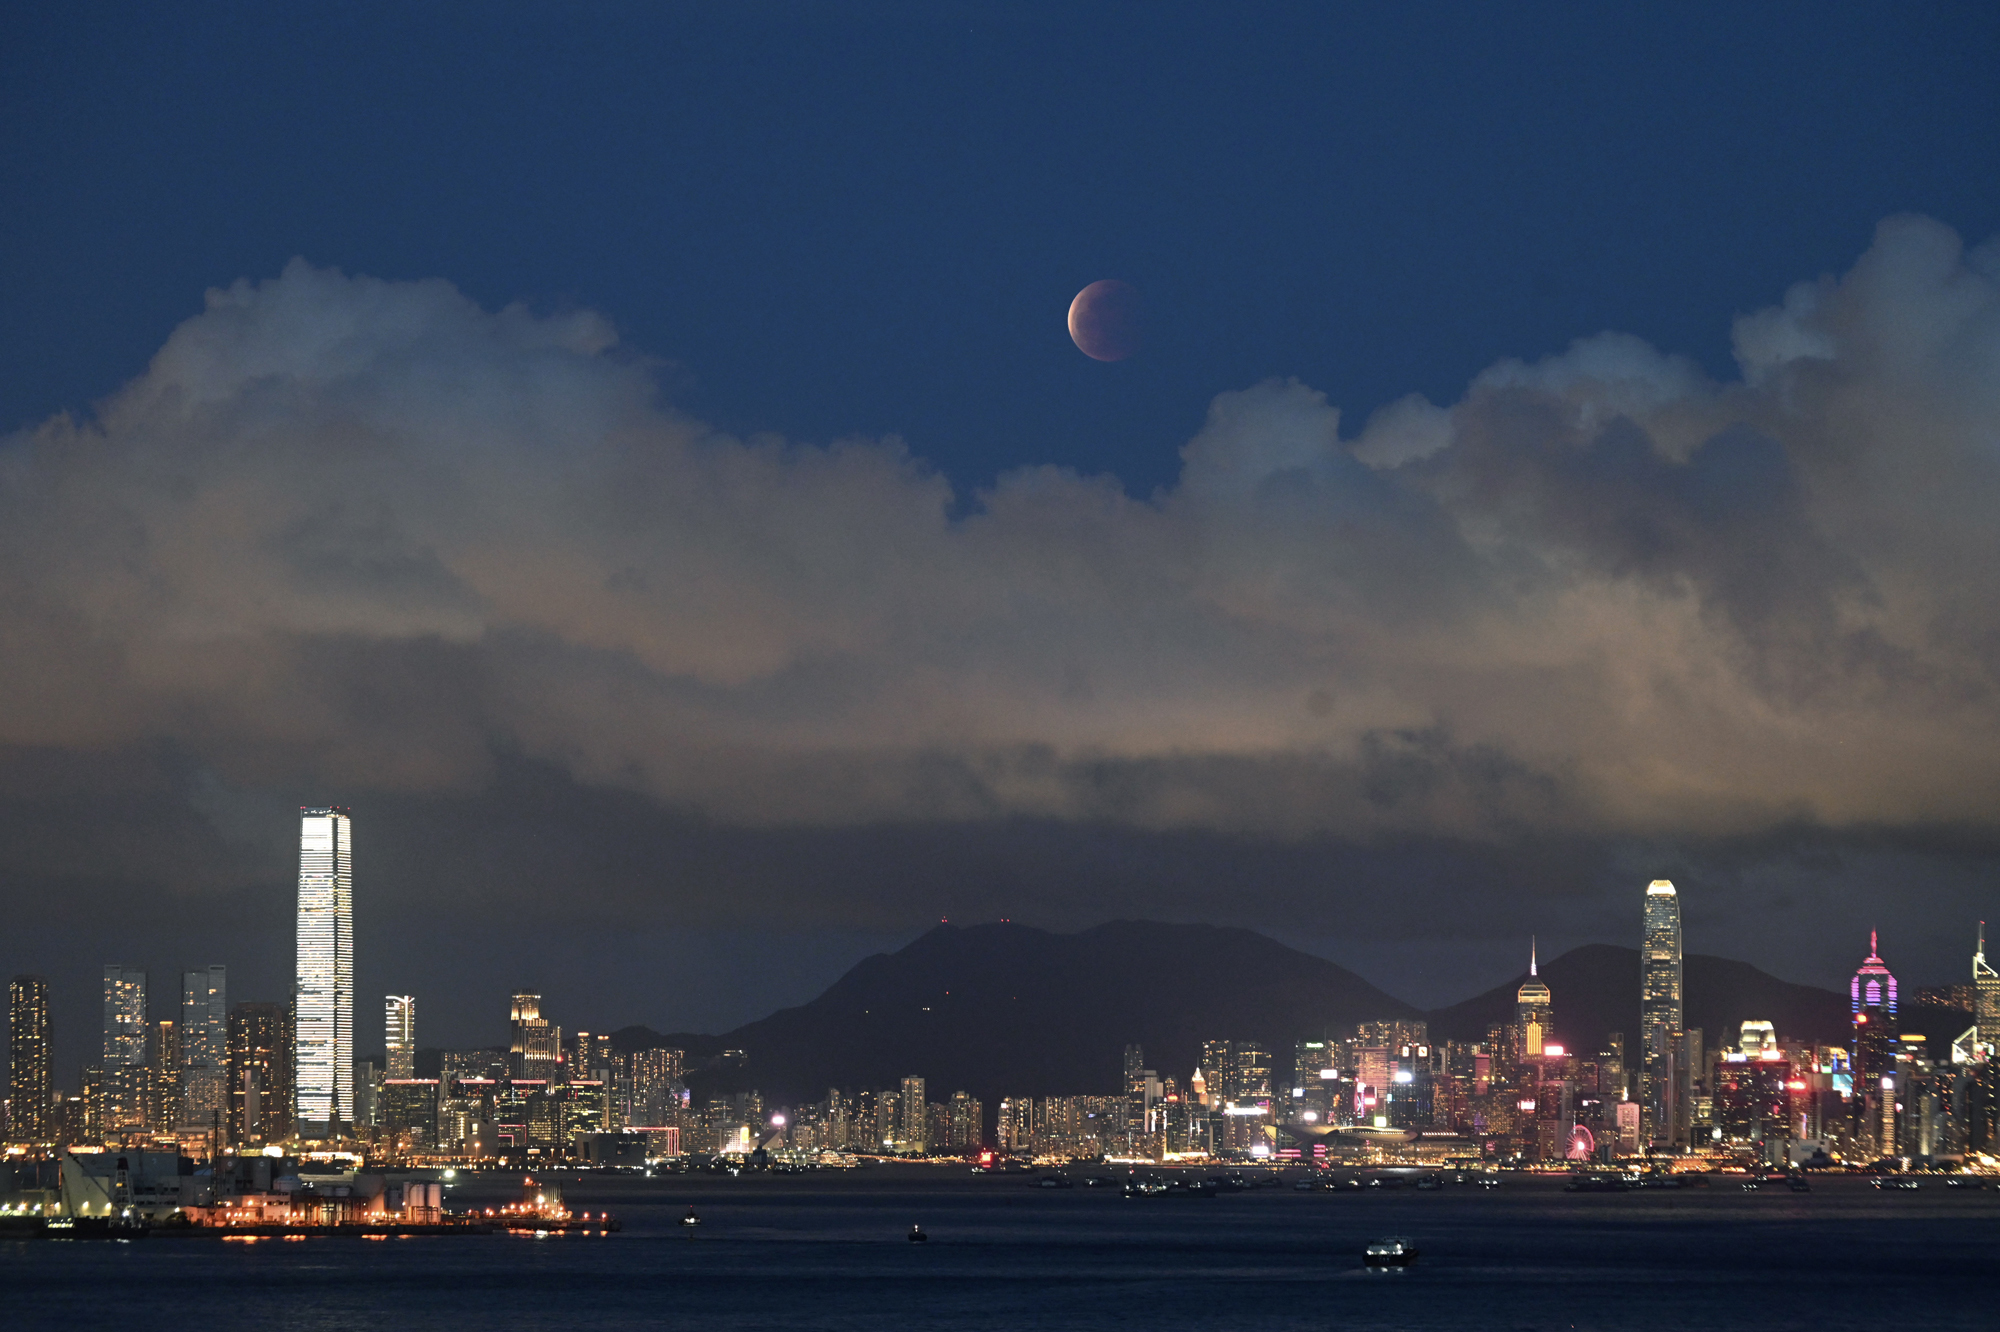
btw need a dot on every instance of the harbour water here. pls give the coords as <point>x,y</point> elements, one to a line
<point>830,1251</point>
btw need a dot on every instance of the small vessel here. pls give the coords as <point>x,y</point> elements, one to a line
<point>1798,1184</point>
<point>1393,1251</point>
<point>1595,1182</point>
<point>1430,1181</point>
<point>917,1235</point>
<point>691,1219</point>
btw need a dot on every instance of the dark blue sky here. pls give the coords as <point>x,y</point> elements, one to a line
<point>869,219</point>
<point>830,220</point>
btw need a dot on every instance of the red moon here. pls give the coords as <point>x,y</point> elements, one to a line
<point>1104,320</point>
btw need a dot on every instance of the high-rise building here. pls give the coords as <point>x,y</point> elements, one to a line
<point>536,1049</point>
<point>124,1087</point>
<point>1660,1021</point>
<point>913,1118</point>
<point>261,1080</point>
<point>204,1046</point>
<point>124,1016</point>
<point>163,1069</point>
<point>1872,1062</point>
<point>30,1081</point>
<point>400,1031</point>
<point>323,1041</point>
<point>1532,1006</point>
<point>1986,997</point>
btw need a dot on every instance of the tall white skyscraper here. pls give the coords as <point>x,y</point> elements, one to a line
<point>1660,1014</point>
<point>204,1046</point>
<point>400,1027</point>
<point>323,1055</point>
<point>124,1016</point>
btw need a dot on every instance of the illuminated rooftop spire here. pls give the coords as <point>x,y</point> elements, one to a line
<point>1981,969</point>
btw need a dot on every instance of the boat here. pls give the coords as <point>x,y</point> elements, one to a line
<point>1430,1181</point>
<point>917,1235</point>
<point>1798,1184</point>
<point>1595,1182</point>
<point>1054,1182</point>
<point>1392,1251</point>
<point>691,1219</point>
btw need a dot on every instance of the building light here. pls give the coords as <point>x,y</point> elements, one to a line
<point>1555,1051</point>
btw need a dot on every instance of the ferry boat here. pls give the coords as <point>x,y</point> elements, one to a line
<point>1392,1251</point>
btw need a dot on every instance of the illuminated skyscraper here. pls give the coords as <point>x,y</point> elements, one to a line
<point>204,1046</point>
<point>1986,996</point>
<point>1532,1004</point>
<point>913,1118</point>
<point>30,1086</point>
<point>323,1041</point>
<point>536,1050</point>
<point>1872,995</point>
<point>1660,1014</point>
<point>124,1016</point>
<point>260,1062</point>
<point>125,1086</point>
<point>400,1028</point>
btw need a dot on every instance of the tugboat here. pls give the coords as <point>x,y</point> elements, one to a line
<point>690,1219</point>
<point>917,1235</point>
<point>1394,1251</point>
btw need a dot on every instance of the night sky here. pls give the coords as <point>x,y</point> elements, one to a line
<point>633,457</point>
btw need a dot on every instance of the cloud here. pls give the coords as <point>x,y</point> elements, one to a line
<point>346,533</point>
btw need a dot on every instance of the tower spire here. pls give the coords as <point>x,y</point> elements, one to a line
<point>1531,956</point>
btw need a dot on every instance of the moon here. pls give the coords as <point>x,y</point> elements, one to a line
<point>1104,320</point>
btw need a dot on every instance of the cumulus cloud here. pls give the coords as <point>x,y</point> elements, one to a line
<point>353,533</point>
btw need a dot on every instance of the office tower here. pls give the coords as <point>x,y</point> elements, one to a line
<point>1252,1080</point>
<point>536,1050</point>
<point>400,1031</point>
<point>258,1059</point>
<point>323,1039</point>
<point>1872,1062</point>
<point>914,1117</point>
<point>1986,997</point>
<point>204,1046</point>
<point>1218,1062</point>
<point>30,1084</point>
<point>1532,1006</point>
<point>1660,1014</point>
<point>1134,1087</point>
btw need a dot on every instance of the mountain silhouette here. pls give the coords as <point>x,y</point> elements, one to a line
<point>1595,991</point>
<point>1006,1010</point>
<point>1003,1010</point>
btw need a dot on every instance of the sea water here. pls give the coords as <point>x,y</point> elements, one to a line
<point>830,1250</point>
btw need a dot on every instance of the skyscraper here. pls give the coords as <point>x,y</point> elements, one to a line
<point>1872,993</point>
<point>400,1026</point>
<point>124,1016</point>
<point>260,1058</point>
<point>913,1117</point>
<point>1660,1014</point>
<point>1986,996</point>
<point>125,1088</point>
<point>204,1046</point>
<point>537,1046</point>
<point>323,1040</point>
<point>1532,1002</point>
<point>30,1087</point>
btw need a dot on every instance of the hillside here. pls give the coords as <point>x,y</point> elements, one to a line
<point>1595,990</point>
<point>1003,1009</point>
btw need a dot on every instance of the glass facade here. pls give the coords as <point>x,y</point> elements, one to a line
<point>400,1035</point>
<point>323,1044</point>
<point>1660,1013</point>
<point>204,1045</point>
